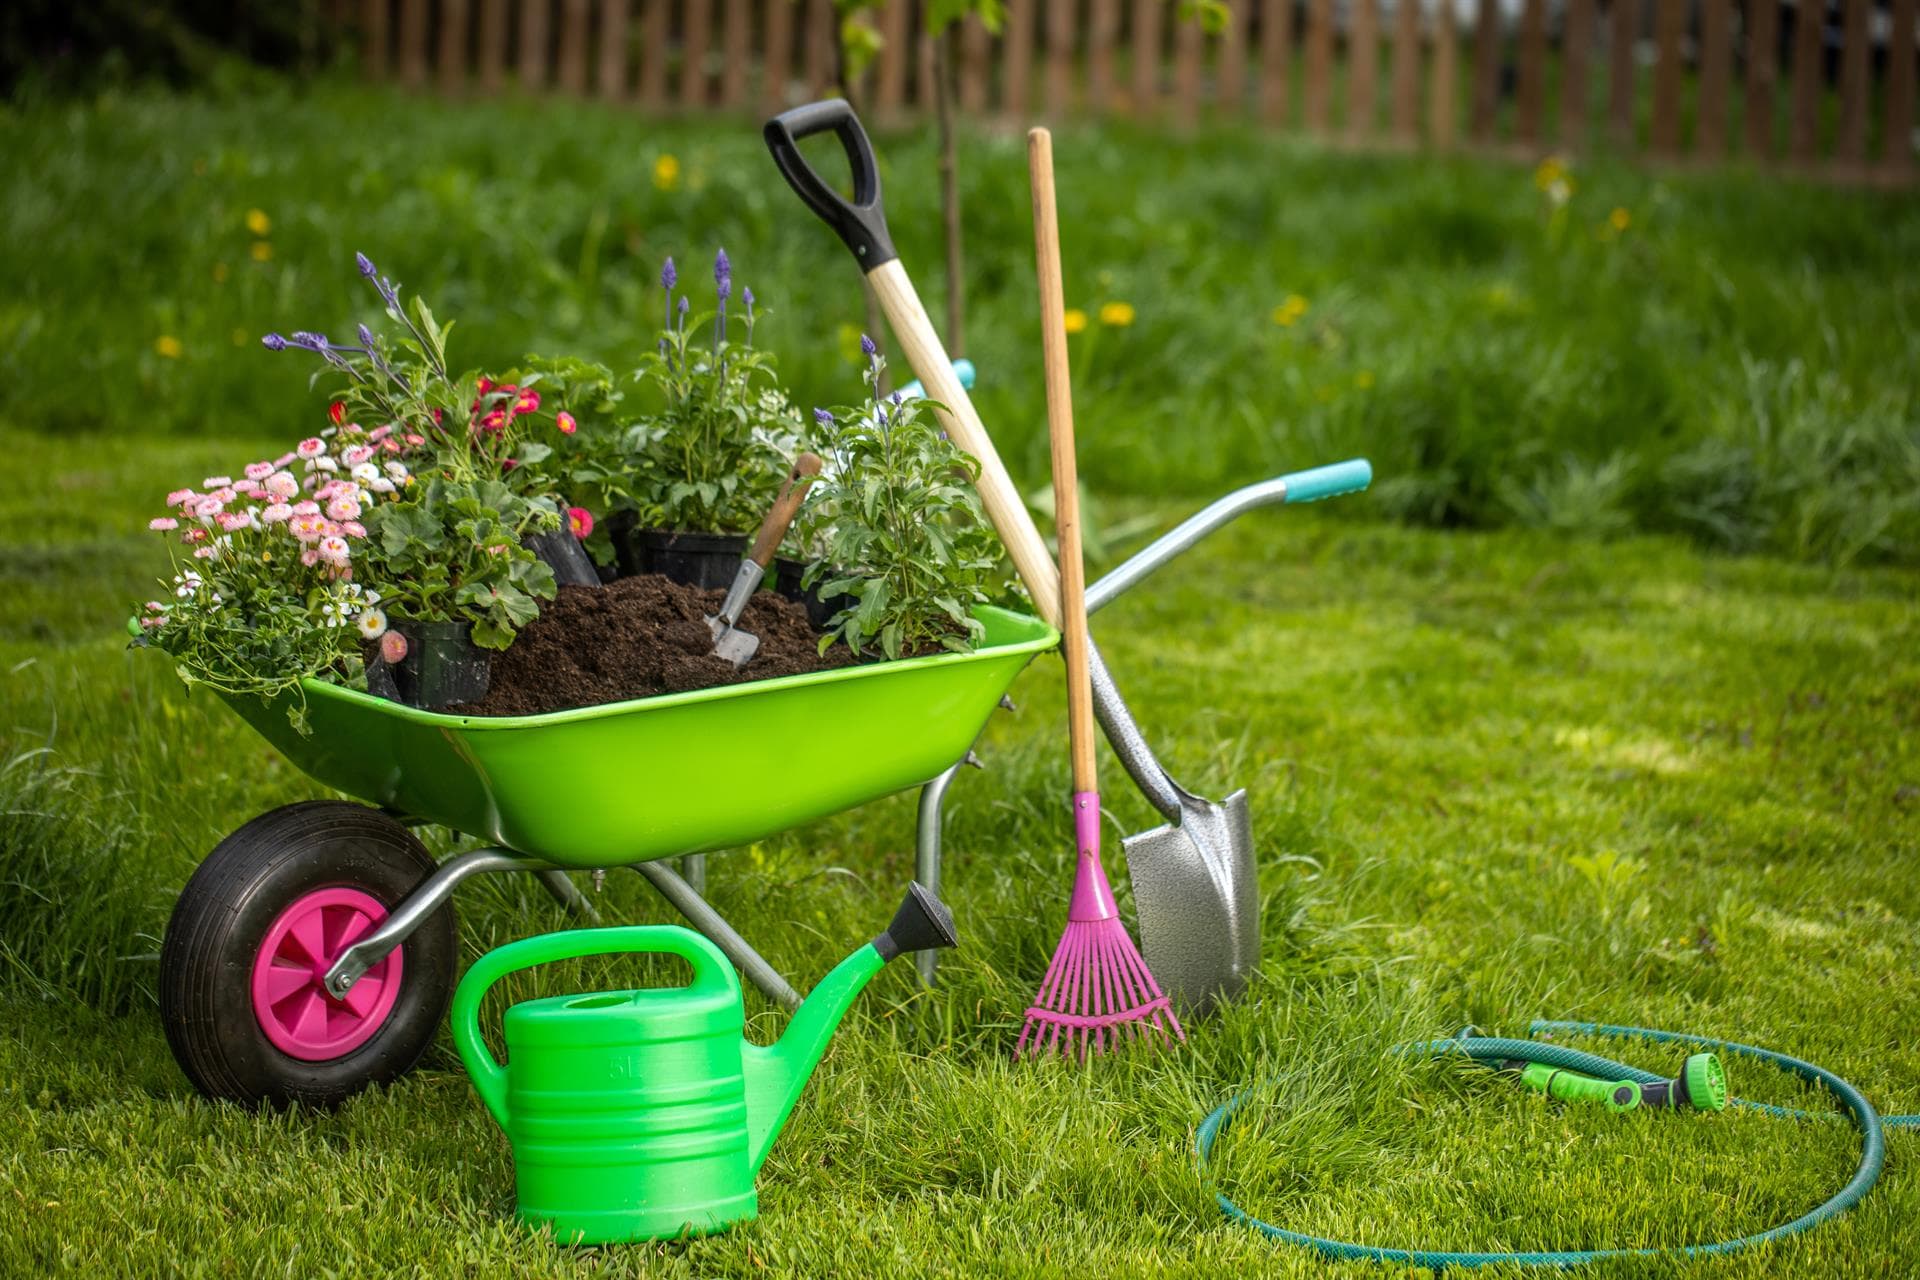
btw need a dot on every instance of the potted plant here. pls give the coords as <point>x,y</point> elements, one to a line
<point>903,550</point>
<point>705,466</point>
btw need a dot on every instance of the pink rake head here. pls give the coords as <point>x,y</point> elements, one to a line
<point>1097,993</point>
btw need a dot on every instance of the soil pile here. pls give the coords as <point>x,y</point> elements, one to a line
<point>641,636</point>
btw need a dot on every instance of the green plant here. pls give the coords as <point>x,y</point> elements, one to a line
<point>899,528</point>
<point>713,457</point>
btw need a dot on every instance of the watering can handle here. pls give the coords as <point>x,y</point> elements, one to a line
<point>710,971</point>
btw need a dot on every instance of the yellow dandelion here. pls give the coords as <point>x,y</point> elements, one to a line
<point>169,346</point>
<point>262,251</point>
<point>1075,320</point>
<point>219,272</point>
<point>1117,315</point>
<point>1363,379</point>
<point>1619,219</point>
<point>1549,171</point>
<point>1288,313</point>
<point>666,172</point>
<point>258,222</point>
<point>266,557</point>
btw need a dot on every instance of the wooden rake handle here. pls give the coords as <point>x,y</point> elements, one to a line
<point>785,507</point>
<point>1066,489</point>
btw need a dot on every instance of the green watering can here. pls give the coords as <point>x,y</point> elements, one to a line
<point>642,1115</point>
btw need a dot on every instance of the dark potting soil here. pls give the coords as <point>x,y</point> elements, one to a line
<point>641,636</point>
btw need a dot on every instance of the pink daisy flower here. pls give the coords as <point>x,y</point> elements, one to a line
<point>282,485</point>
<point>163,523</point>
<point>356,454</point>
<point>566,423</point>
<point>393,647</point>
<point>311,447</point>
<point>276,513</point>
<point>217,482</point>
<point>334,549</point>
<point>580,520</point>
<point>306,508</point>
<point>208,507</point>
<point>344,507</point>
<point>178,496</point>
<point>353,529</point>
<point>259,470</point>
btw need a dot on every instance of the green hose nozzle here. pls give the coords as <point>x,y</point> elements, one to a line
<point>1701,1085</point>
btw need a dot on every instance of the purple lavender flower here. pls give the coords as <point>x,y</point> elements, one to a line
<point>684,304</point>
<point>274,342</point>
<point>722,276</point>
<point>867,346</point>
<point>366,337</point>
<point>822,417</point>
<point>747,293</point>
<point>669,276</point>
<point>309,341</point>
<point>366,266</point>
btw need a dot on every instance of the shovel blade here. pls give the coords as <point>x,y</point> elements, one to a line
<point>1197,892</point>
<point>737,646</point>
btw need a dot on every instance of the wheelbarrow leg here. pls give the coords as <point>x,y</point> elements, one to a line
<point>694,868</point>
<point>567,895</point>
<point>926,852</point>
<point>703,917</point>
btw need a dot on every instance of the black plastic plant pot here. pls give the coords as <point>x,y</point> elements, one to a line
<point>571,565</point>
<point>692,559</point>
<point>787,576</point>
<point>443,666</point>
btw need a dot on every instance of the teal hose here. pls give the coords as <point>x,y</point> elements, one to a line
<point>1873,1146</point>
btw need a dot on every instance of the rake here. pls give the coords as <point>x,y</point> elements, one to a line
<point>1097,993</point>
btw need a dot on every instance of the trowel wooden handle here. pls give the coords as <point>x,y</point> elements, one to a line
<point>785,508</point>
<point>1066,489</point>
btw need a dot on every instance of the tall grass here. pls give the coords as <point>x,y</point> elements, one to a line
<point>1733,363</point>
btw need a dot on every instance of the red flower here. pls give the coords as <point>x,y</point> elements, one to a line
<point>580,520</point>
<point>566,423</point>
<point>485,385</point>
<point>529,402</point>
<point>338,412</point>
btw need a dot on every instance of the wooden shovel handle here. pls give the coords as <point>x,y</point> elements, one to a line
<point>785,508</point>
<point>1066,491</point>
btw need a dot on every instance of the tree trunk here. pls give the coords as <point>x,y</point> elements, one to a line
<point>944,75</point>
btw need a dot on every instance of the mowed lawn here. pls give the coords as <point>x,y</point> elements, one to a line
<point>1495,776</point>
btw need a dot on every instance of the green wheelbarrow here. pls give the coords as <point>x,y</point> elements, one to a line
<point>313,951</point>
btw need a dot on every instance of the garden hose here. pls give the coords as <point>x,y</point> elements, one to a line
<point>1526,1055</point>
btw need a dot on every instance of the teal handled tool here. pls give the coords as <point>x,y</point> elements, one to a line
<point>644,1115</point>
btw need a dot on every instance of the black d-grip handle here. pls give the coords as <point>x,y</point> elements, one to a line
<point>862,224</point>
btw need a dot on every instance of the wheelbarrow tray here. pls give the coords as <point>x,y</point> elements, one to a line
<point>657,777</point>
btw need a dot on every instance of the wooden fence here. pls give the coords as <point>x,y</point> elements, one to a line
<point>1678,80</point>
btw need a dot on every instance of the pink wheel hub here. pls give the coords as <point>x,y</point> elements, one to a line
<point>290,997</point>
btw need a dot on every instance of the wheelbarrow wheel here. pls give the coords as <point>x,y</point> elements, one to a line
<point>255,931</point>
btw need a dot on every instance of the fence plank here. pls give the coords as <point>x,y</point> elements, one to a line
<point>1625,20</point>
<point>1669,17</point>
<point>493,45</point>
<point>822,32</point>
<point>696,35</point>
<point>890,84</point>
<point>1896,135</point>
<point>1406,72</point>
<point>610,74</point>
<point>1532,92</point>
<point>575,17</point>
<point>1851,153</point>
<point>1103,28</point>
<point>413,43</point>
<point>451,57</point>
<point>1363,70</point>
<point>1016,59</point>
<point>1716,69</point>
<point>776,59</point>
<point>1189,45</point>
<point>1145,39</point>
<point>1276,59</point>
<point>1063,20</point>
<point>1576,61</point>
<point>1319,72</point>
<point>736,52</point>
<point>533,45</point>
<point>1486,71</point>
<point>1803,137</point>
<point>926,54</point>
<point>974,42</point>
<point>1763,71</point>
<point>1230,73</point>
<point>373,34</point>
<point>1443,105</point>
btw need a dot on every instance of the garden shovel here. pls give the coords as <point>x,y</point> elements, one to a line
<point>1195,882</point>
<point>729,641</point>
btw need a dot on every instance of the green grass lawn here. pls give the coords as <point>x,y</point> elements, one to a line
<point>1733,365</point>
<point>1495,776</point>
<point>1499,772</point>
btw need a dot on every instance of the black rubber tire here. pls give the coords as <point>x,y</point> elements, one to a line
<point>223,915</point>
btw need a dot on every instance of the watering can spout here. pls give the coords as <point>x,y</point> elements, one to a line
<point>776,1073</point>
